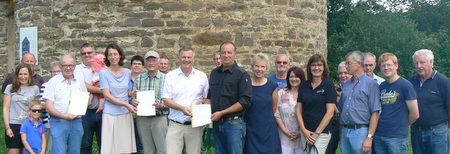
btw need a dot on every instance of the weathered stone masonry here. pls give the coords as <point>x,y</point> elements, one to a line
<point>295,27</point>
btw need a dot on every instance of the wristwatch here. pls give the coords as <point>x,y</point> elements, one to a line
<point>369,136</point>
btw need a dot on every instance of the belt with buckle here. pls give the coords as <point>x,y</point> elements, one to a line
<point>185,123</point>
<point>425,128</point>
<point>357,126</point>
<point>228,118</point>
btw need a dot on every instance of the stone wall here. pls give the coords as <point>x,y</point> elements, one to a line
<point>3,39</point>
<point>294,27</point>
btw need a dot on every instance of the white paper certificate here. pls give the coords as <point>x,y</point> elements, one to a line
<point>146,100</point>
<point>78,102</point>
<point>201,114</point>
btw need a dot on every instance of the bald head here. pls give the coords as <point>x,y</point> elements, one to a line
<point>282,64</point>
<point>29,59</point>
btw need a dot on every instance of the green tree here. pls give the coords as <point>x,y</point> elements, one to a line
<point>370,28</point>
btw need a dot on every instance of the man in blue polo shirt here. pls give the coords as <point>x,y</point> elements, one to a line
<point>359,106</point>
<point>429,133</point>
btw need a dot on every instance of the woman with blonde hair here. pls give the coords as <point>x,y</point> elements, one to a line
<point>262,134</point>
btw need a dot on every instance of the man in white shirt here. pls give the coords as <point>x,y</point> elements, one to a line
<point>92,121</point>
<point>184,86</point>
<point>67,129</point>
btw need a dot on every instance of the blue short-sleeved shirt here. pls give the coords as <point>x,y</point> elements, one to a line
<point>314,102</point>
<point>118,87</point>
<point>433,98</point>
<point>281,82</point>
<point>394,116</point>
<point>34,134</point>
<point>359,100</point>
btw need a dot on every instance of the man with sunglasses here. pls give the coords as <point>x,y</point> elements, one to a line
<point>92,121</point>
<point>282,64</point>
<point>370,65</point>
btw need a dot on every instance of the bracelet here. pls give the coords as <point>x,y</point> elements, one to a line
<point>317,132</point>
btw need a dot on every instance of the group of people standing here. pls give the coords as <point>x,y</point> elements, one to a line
<point>292,111</point>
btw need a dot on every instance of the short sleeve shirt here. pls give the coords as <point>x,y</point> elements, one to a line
<point>184,90</point>
<point>88,75</point>
<point>145,82</point>
<point>118,87</point>
<point>58,90</point>
<point>314,102</point>
<point>34,134</point>
<point>433,97</point>
<point>281,82</point>
<point>394,115</point>
<point>19,102</point>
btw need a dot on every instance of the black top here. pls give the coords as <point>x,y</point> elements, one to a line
<point>314,102</point>
<point>228,87</point>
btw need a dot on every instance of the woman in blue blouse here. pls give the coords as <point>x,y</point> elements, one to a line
<point>117,121</point>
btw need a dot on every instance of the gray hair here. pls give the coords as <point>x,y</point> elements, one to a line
<point>261,57</point>
<point>67,55</point>
<point>371,54</point>
<point>357,56</point>
<point>426,52</point>
<point>342,64</point>
<point>53,64</point>
<point>214,54</point>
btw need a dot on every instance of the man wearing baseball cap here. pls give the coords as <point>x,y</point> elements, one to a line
<point>152,129</point>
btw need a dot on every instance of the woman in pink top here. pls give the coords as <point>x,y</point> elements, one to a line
<point>289,130</point>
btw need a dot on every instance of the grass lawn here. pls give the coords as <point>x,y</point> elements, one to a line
<point>95,147</point>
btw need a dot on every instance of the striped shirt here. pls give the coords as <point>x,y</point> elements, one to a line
<point>145,82</point>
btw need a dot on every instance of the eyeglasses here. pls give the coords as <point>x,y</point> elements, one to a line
<point>86,53</point>
<point>341,73</point>
<point>349,63</point>
<point>284,62</point>
<point>316,65</point>
<point>368,65</point>
<point>36,110</point>
<point>387,65</point>
<point>68,66</point>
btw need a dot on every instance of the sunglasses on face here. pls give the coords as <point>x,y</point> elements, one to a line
<point>36,110</point>
<point>284,62</point>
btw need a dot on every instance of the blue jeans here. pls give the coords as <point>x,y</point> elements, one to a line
<point>432,141</point>
<point>229,136</point>
<point>66,135</point>
<point>352,140</point>
<point>390,145</point>
<point>92,123</point>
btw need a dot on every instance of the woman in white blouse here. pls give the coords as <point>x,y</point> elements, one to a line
<point>289,129</point>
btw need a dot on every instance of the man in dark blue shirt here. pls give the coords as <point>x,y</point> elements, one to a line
<point>429,133</point>
<point>230,95</point>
